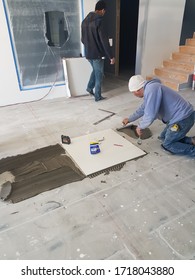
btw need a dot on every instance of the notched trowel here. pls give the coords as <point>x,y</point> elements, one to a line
<point>130,130</point>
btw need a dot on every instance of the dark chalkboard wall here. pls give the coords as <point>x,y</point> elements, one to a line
<point>188,27</point>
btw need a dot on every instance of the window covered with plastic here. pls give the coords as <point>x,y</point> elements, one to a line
<point>42,32</point>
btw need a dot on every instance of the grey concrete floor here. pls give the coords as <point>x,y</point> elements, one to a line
<point>144,211</point>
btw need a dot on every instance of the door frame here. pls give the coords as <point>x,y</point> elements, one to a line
<point>117,39</point>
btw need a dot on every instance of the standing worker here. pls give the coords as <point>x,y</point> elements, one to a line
<point>97,47</point>
<point>161,102</point>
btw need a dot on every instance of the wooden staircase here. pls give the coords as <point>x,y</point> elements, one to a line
<point>177,71</point>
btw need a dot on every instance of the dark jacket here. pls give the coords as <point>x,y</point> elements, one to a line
<point>93,37</point>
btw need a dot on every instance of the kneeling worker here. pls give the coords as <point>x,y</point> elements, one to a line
<point>161,102</point>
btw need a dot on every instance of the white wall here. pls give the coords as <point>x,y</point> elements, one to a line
<point>89,6</point>
<point>9,88</point>
<point>159,29</point>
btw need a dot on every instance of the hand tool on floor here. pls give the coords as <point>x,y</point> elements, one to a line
<point>139,141</point>
<point>111,114</point>
<point>100,140</point>
<point>125,126</point>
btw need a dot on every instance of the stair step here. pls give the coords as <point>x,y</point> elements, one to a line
<point>178,65</point>
<point>190,42</point>
<point>183,57</point>
<point>174,84</point>
<point>187,49</point>
<point>177,85</point>
<point>171,74</point>
<point>177,72</point>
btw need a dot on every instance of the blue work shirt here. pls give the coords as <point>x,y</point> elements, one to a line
<point>161,102</point>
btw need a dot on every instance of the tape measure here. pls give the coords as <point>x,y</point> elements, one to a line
<point>175,127</point>
<point>65,139</point>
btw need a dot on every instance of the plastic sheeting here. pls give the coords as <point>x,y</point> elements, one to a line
<point>37,62</point>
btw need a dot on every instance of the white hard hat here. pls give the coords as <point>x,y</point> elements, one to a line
<point>136,82</point>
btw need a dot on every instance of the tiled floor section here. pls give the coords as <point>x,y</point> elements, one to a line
<point>144,211</point>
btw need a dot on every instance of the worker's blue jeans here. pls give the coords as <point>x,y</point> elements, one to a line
<point>177,142</point>
<point>96,77</point>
